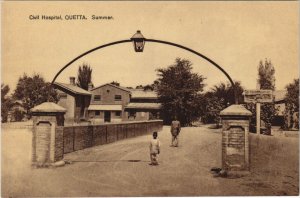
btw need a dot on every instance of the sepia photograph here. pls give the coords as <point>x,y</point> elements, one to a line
<point>149,98</point>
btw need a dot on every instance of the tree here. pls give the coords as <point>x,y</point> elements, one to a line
<point>266,79</point>
<point>266,74</point>
<point>115,83</point>
<point>139,87</point>
<point>218,98</point>
<point>212,106</point>
<point>151,87</point>
<point>33,91</point>
<point>292,104</point>
<point>84,76</point>
<point>5,102</point>
<point>226,92</point>
<point>292,96</point>
<point>148,88</point>
<point>18,115</point>
<point>177,89</point>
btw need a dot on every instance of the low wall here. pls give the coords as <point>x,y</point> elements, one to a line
<point>81,137</point>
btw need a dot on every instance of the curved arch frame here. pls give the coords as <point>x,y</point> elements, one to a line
<point>155,41</point>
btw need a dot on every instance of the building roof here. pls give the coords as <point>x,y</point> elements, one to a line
<point>236,110</point>
<point>143,106</point>
<point>119,87</point>
<point>72,88</point>
<point>135,93</point>
<point>48,107</point>
<point>105,107</point>
<point>279,95</point>
<point>140,93</point>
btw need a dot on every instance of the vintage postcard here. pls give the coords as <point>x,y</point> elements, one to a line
<point>144,98</point>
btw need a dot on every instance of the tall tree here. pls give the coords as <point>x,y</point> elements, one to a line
<point>177,90</point>
<point>292,105</point>
<point>266,75</point>
<point>266,78</point>
<point>33,91</point>
<point>5,102</point>
<point>84,76</point>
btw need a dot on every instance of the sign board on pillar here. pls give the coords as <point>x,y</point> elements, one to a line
<point>258,96</point>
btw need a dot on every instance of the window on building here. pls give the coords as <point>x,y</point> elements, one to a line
<point>97,97</point>
<point>132,113</point>
<point>97,113</point>
<point>153,115</point>
<point>118,97</point>
<point>118,113</point>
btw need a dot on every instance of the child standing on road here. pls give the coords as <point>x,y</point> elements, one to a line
<point>154,149</point>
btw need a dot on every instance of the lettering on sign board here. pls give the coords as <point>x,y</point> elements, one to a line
<point>261,96</point>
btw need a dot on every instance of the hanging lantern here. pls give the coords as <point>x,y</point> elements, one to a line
<point>138,41</point>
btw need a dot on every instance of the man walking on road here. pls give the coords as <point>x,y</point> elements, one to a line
<point>175,130</point>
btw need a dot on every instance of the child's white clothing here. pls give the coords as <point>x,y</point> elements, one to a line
<point>154,146</point>
<point>154,151</point>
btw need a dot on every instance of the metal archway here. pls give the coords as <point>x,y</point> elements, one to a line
<point>155,41</point>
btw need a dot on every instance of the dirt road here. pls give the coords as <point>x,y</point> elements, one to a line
<point>122,168</point>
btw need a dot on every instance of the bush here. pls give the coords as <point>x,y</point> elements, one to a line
<point>18,115</point>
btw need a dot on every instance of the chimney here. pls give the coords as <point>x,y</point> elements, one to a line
<point>72,80</point>
<point>90,86</point>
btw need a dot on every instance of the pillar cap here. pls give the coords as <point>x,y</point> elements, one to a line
<point>235,110</point>
<point>49,107</point>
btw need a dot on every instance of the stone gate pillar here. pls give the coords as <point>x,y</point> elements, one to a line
<point>47,136</point>
<point>235,140</point>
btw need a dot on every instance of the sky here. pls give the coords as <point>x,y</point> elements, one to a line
<point>236,35</point>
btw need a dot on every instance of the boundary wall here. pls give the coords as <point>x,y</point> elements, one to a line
<point>80,137</point>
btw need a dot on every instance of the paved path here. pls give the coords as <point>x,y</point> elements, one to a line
<point>122,168</point>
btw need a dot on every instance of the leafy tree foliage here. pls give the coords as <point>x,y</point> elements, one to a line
<point>266,76</point>
<point>212,107</point>
<point>292,105</point>
<point>266,72</point>
<point>226,92</point>
<point>33,91</point>
<point>218,98</point>
<point>115,83</point>
<point>268,112</point>
<point>18,115</point>
<point>152,87</point>
<point>5,102</point>
<point>149,87</point>
<point>292,96</point>
<point>139,87</point>
<point>177,89</point>
<point>266,79</point>
<point>84,76</point>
